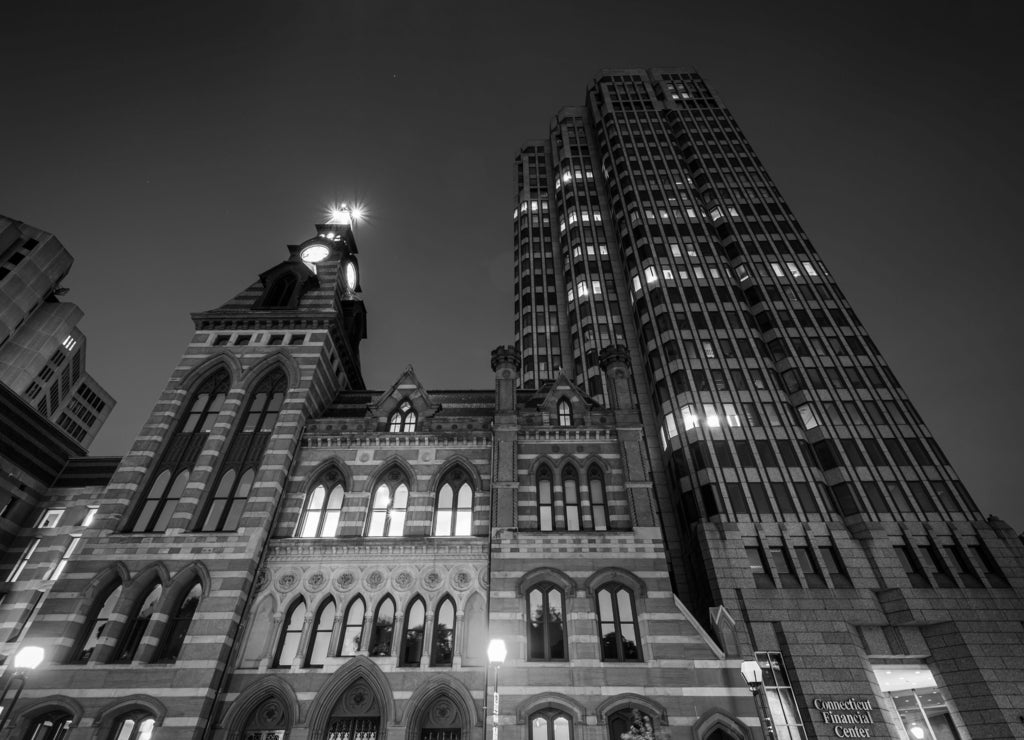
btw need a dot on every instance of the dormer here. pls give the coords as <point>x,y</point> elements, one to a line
<point>403,407</point>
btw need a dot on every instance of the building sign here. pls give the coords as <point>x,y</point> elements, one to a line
<point>848,717</point>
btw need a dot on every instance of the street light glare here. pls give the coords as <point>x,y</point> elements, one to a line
<point>496,651</point>
<point>29,657</point>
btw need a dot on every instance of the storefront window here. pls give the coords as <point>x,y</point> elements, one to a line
<point>922,708</point>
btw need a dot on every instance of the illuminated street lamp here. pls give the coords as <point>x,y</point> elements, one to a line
<point>496,653</point>
<point>754,675</point>
<point>27,659</point>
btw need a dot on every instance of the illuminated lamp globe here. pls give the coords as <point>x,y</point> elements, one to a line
<point>496,651</point>
<point>341,215</point>
<point>315,253</point>
<point>752,673</point>
<point>917,731</point>
<point>29,658</point>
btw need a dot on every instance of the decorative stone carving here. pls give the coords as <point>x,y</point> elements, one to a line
<point>287,581</point>
<point>374,580</point>
<point>262,579</point>
<point>461,579</point>
<point>316,580</point>
<point>432,579</point>
<point>345,580</point>
<point>402,579</point>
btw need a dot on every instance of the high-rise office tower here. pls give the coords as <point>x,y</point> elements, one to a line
<point>42,350</point>
<point>807,510</point>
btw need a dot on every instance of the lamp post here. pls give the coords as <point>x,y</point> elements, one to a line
<point>27,659</point>
<point>753,675</point>
<point>496,656</point>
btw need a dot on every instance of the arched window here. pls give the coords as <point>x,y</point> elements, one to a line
<point>443,649</point>
<point>454,513</point>
<point>383,628</point>
<point>630,723</point>
<point>134,726</point>
<point>545,623</point>
<point>619,634</point>
<point>404,418</point>
<point>598,504</point>
<point>571,492</point>
<point>288,644</point>
<point>352,632</point>
<point>50,726</point>
<point>224,509</point>
<point>320,642</point>
<point>564,413</point>
<point>412,637</point>
<point>93,629</point>
<point>177,627</point>
<point>156,507</point>
<point>135,627</point>
<point>551,724</point>
<point>269,721</point>
<point>545,501</point>
<point>322,512</point>
<point>387,515</point>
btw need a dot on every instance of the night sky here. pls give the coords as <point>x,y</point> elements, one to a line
<point>176,148</point>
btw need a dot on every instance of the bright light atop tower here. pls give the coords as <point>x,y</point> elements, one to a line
<point>341,215</point>
<point>358,213</point>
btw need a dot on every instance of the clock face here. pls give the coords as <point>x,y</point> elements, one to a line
<point>351,276</point>
<point>315,253</point>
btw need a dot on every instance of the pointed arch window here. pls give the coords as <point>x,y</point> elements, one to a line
<point>177,627</point>
<point>383,627</point>
<point>403,419</point>
<point>412,636</point>
<point>183,448</point>
<point>545,500</point>
<point>564,413</point>
<point>51,726</point>
<point>598,502</point>
<point>571,494</point>
<point>94,628</point>
<point>224,509</point>
<point>134,726</point>
<point>454,513</point>
<point>135,627</point>
<point>352,632</point>
<point>443,648</point>
<point>545,623</point>
<point>630,722</point>
<point>618,631</point>
<point>322,511</point>
<point>390,500</point>
<point>551,724</point>
<point>320,641</point>
<point>280,292</point>
<point>291,633</point>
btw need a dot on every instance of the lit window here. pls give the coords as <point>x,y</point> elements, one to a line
<point>352,632</point>
<point>793,269</point>
<point>90,516</point>
<point>64,558</point>
<point>320,639</point>
<point>26,555</point>
<point>571,499</point>
<point>809,269</point>
<point>136,726</point>
<point>690,418</point>
<point>69,343</point>
<point>51,726</point>
<point>387,517</point>
<point>670,426</point>
<point>636,283</point>
<point>322,512</point>
<point>291,633</point>
<point>711,416</point>
<point>777,269</point>
<point>807,416</point>
<point>564,413</point>
<point>651,274</point>
<point>732,418</point>
<point>50,518</point>
<point>403,419</point>
<point>545,502</point>
<point>454,513</point>
<point>668,275</point>
<point>733,212</point>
